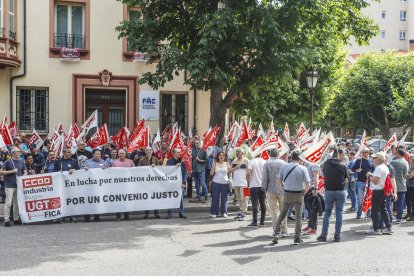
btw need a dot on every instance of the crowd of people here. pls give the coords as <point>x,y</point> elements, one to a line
<point>280,185</point>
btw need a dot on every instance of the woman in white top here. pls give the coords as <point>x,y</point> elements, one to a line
<point>220,186</point>
<point>239,166</point>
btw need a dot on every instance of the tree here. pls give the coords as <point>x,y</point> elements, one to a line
<point>377,91</point>
<point>227,46</point>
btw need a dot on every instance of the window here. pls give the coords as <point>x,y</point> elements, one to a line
<point>69,26</point>
<point>12,33</point>
<point>32,107</point>
<point>383,14</point>
<point>402,35</point>
<point>1,17</point>
<point>382,34</point>
<point>174,108</point>
<point>403,15</point>
<point>133,44</point>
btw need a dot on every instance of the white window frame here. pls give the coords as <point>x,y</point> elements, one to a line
<point>1,14</point>
<point>403,35</point>
<point>70,5</point>
<point>403,18</point>
<point>383,34</point>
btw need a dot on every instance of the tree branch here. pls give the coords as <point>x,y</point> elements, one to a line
<point>372,119</point>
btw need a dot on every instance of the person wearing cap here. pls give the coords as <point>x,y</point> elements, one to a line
<point>401,171</point>
<point>38,158</point>
<point>295,180</point>
<point>377,180</point>
<point>361,166</point>
<point>17,143</point>
<point>12,168</point>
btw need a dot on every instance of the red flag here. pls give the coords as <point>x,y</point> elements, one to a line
<point>165,131</point>
<point>233,127</point>
<point>101,137</point>
<point>245,132</point>
<point>36,139</point>
<point>187,157</point>
<point>175,143</point>
<point>121,138</point>
<point>72,133</point>
<point>5,132</point>
<point>138,127</point>
<point>141,140</point>
<point>321,185</point>
<point>13,129</point>
<point>315,153</point>
<point>257,143</point>
<point>91,122</point>
<point>301,133</point>
<point>367,202</point>
<point>393,141</point>
<point>211,138</point>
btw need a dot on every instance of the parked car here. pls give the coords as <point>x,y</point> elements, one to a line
<point>377,144</point>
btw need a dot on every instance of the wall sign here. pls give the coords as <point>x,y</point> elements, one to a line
<point>149,105</point>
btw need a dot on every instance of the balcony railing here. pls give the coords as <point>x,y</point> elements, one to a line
<point>12,35</point>
<point>69,41</point>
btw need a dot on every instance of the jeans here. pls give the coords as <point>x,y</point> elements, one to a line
<point>409,198</point>
<point>352,193</point>
<point>388,201</point>
<point>275,204</point>
<point>288,200</point>
<point>313,216</point>
<point>190,187</point>
<point>11,199</point>
<point>338,198</point>
<point>181,209</point>
<point>257,196</point>
<point>399,205</point>
<point>200,180</point>
<point>360,189</point>
<point>219,198</point>
<point>241,199</point>
<point>379,206</point>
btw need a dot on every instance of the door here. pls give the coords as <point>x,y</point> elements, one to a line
<point>174,109</point>
<point>111,106</point>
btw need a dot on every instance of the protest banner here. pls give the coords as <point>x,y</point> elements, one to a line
<point>98,191</point>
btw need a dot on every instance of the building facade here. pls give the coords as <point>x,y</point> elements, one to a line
<point>395,19</point>
<point>76,64</point>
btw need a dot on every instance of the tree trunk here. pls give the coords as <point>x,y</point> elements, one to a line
<point>218,109</point>
<point>387,126</point>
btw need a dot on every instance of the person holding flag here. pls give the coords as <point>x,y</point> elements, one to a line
<point>199,161</point>
<point>177,161</point>
<point>12,168</point>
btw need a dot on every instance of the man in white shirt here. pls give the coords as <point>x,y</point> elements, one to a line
<point>377,179</point>
<point>257,193</point>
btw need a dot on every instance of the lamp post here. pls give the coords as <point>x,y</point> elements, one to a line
<point>312,79</point>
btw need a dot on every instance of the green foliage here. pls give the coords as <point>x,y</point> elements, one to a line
<point>234,45</point>
<point>377,91</point>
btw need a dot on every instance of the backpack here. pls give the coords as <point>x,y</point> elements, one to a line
<point>388,186</point>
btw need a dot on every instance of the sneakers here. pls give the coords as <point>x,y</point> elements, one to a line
<point>284,234</point>
<point>387,231</point>
<point>7,224</point>
<point>253,225</point>
<point>371,231</point>
<point>337,239</point>
<point>306,229</point>
<point>239,216</point>
<point>276,239</point>
<point>225,215</point>
<point>311,232</point>
<point>351,210</point>
<point>262,224</point>
<point>398,221</point>
<point>297,241</point>
<point>213,216</point>
<point>321,238</point>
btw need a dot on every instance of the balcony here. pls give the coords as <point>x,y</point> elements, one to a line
<point>69,41</point>
<point>8,49</point>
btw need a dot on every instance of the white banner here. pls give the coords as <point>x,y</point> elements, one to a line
<point>98,191</point>
<point>149,105</point>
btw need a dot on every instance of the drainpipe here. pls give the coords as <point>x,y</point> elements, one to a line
<point>24,62</point>
<point>195,114</point>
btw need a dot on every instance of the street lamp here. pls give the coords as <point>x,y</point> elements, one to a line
<point>312,79</point>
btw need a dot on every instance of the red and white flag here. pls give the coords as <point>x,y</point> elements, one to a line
<point>269,144</point>
<point>2,144</point>
<point>314,154</point>
<point>138,127</point>
<point>72,133</point>
<point>121,138</point>
<point>244,135</point>
<point>91,122</point>
<point>165,131</point>
<point>141,140</point>
<point>401,142</point>
<point>392,141</point>
<point>36,139</point>
<point>56,143</point>
<point>367,201</point>
<point>59,149</point>
<point>282,147</point>
<point>101,137</point>
<point>363,144</point>
<point>230,134</point>
<point>260,131</point>
<point>5,121</point>
<point>310,141</point>
<point>287,132</point>
<point>187,157</point>
<point>13,129</point>
<point>258,143</point>
<point>156,144</point>
<point>235,138</point>
<point>301,132</point>
<point>5,132</point>
<point>211,137</point>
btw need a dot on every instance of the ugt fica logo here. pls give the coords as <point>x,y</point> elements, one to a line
<point>43,204</point>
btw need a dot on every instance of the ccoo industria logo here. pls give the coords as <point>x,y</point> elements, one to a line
<point>40,181</point>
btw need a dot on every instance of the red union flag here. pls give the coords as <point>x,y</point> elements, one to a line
<point>101,137</point>
<point>5,133</point>
<point>121,138</point>
<point>282,147</point>
<point>91,122</point>
<point>140,141</point>
<point>321,185</point>
<point>315,153</point>
<point>13,129</point>
<point>393,141</point>
<point>36,139</point>
<point>286,132</point>
<point>211,138</point>
<point>301,133</point>
<point>138,127</point>
<point>176,143</point>
<point>257,143</point>
<point>367,202</point>
<point>187,157</point>
<point>233,127</point>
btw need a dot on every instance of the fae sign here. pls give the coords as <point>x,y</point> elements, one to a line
<point>149,105</point>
